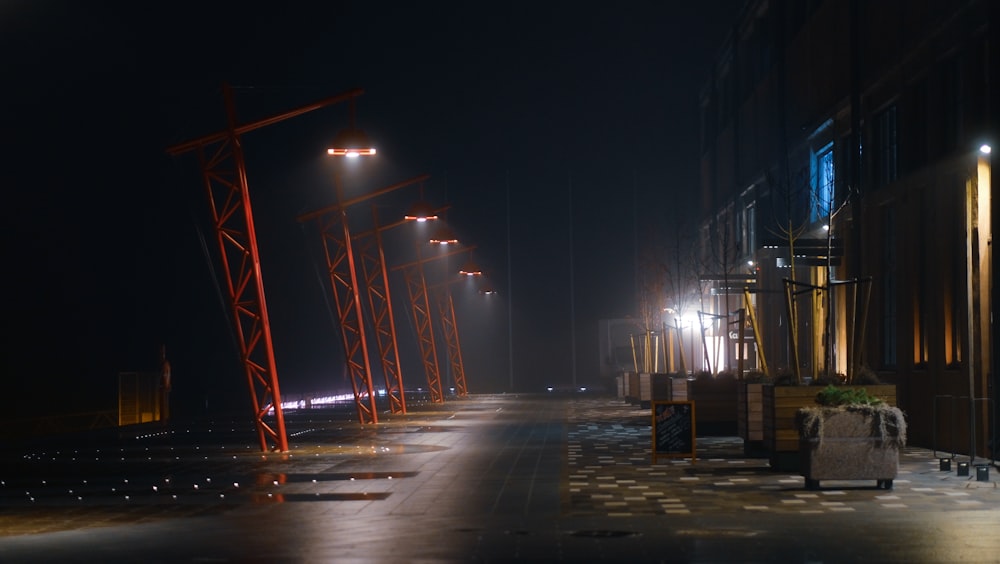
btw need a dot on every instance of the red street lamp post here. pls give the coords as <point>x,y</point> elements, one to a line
<point>224,175</point>
<point>342,269</point>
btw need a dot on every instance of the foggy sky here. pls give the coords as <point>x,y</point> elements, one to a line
<point>586,116</point>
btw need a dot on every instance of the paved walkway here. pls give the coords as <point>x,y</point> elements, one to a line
<point>484,479</point>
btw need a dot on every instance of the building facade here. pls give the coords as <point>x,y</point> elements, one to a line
<point>845,181</point>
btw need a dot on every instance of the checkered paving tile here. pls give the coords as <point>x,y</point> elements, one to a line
<point>610,471</point>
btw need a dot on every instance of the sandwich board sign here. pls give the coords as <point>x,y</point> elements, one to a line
<point>673,430</point>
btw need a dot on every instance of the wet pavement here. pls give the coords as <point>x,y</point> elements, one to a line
<point>496,478</point>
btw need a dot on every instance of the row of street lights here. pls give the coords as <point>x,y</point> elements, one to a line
<point>224,176</point>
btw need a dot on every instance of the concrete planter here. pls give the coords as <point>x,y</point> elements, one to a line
<point>850,443</point>
<point>779,407</point>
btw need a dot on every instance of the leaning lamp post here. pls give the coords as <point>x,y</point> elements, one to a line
<point>224,175</point>
<point>338,249</point>
<point>350,143</point>
<point>417,288</point>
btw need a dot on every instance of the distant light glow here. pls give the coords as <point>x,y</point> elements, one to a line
<point>470,269</point>
<point>420,211</point>
<point>351,152</point>
<point>444,236</point>
<point>985,149</point>
<point>419,218</point>
<point>314,402</point>
<point>826,227</point>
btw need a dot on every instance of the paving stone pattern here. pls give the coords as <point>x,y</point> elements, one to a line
<point>610,471</point>
<point>485,479</point>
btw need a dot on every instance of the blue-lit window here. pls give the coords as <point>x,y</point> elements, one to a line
<point>823,179</point>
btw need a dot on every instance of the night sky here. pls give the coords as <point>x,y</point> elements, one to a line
<point>585,114</point>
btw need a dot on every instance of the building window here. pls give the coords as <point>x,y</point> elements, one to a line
<point>889,290</point>
<point>823,184</point>
<point>886,149</point>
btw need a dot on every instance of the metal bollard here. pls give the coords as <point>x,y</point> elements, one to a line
<point>982,472</point>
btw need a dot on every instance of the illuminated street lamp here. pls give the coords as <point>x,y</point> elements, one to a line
<point>470,269</point>
<point>224,176</point>
<point>351,142</point>
<point>373,266</point>
<point>416,284</point>
<point>341,266</point>
<point>421,211</point>
<point>444,236</point>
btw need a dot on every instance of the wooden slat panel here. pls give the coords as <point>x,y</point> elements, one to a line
<point>781,403</point>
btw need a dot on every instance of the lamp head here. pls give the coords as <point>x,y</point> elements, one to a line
<point>420,211</point>
<point>444,236</point>
<point>470,269</point>
<point>352,143</point>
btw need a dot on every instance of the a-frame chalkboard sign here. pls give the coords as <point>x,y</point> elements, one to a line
<point>673,430</point>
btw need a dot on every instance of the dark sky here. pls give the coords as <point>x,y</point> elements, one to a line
<point>102,251</point>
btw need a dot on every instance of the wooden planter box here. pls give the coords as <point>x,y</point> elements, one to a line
<point>657,386</point>
<point>715,402</point>
<point>781,403</point>
<point>847,445</point>
<point>750,416</point>
<point>632,387</point>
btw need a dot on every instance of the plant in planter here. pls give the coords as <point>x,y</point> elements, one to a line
<point>781,402</point>
<point>850,435</point>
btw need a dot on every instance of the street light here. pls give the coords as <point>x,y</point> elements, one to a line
<point>224,175</point>
<point>416,284</point>
<point>444,236</point>
<point>351,142</point>
<point>338,249</point>
<point>470,269</point>
<point>373,265</point>
<point>421,211</point>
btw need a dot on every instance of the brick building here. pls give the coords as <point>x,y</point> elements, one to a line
<point>843,183</point>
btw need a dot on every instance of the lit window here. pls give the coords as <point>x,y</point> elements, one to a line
<point>822,203</point>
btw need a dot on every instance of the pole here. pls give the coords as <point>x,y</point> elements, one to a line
<point>572,293</point>
<point>510,297</point>
<point>993,129</point>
